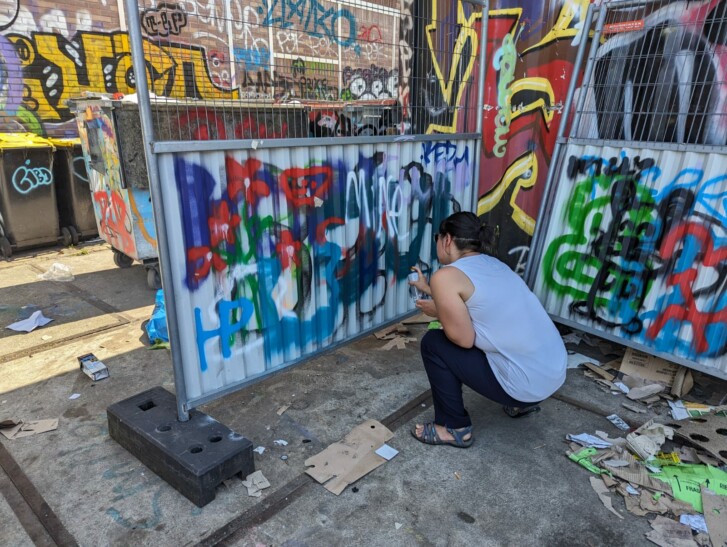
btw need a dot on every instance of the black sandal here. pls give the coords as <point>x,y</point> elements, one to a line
<point>430,436</point>
<point>520,411</point>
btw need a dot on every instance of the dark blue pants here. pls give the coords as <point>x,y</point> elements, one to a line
<point>449,366</point>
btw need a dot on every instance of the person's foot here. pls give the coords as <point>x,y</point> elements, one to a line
<point>442,433</point>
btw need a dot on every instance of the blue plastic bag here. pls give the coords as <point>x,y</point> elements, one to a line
<point>156,328</point>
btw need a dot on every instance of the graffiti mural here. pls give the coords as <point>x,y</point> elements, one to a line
<point>531,48</point>
<point>444,68</point>
<point>691,105</point>
<point>208,50</point>
<point>641,250</point>
<point>282,257</point>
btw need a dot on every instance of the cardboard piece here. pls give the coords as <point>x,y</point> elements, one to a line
<point>683,382</point>
<point>598,370</point>
<point>602,491</point>
<point>398,342</point>
<point>653,503</point>
<point>670,533</point>
<point>634,408</point>
<point>255,482</point>
<point>644,392</point>
<point>389,332</point>
<point>344,462</point>
<point>26,429</point>
<point>636,473</point>
<point>419,319</point>
<point>715,515</point>
<point>687,481</point>
<point>633,505</point>
<point>706,432</point>
<point>648,367</point>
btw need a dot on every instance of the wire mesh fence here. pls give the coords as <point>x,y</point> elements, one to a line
<point>658,74</point>
<point>269,69</point>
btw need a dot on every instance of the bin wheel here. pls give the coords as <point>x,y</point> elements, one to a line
<point>122,260</point>
<point>74,234</point>
<point>66,237</point>
<point>153,279</point>
<point>5,247</point>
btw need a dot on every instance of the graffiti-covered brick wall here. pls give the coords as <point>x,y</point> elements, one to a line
<point>277,50</point>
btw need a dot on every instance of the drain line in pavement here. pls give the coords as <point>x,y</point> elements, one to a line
<point>296,488</point>
<point>43,522</point>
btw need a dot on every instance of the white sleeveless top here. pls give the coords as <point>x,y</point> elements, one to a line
<point>525,350</point>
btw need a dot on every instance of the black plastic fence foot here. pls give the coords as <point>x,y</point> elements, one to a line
<point>194,456</point>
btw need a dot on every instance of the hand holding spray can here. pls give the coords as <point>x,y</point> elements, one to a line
<point>414,293</point>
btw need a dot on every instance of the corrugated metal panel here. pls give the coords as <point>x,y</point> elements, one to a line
<point>636,248</point>
<point>280,253</point>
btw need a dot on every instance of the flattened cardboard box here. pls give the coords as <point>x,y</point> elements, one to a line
<point>648,367</point>
<point>346,461</point>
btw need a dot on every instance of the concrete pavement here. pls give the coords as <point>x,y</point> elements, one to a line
<point>513,487</point>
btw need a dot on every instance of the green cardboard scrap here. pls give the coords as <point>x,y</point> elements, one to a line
<point>687,480</point>
<point>583,457</point>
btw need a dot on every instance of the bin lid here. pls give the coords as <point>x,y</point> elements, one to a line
<point>65,143</point>
<point>23,140</point>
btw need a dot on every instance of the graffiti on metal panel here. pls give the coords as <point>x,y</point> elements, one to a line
<point>27,178</point>
<point>530,62</point>
<point>690,107</point>
<point>648,265</point>
<point>312,17</point>
<point>114,220</point>
<point>294,249</point>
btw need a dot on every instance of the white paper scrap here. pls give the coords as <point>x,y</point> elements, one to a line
<point>696,522</point>
<point>31,323</point>
<point>618,422</point>
<point>623,387</point>
<point>631,490</point>
<point>678,412</point>
<point>387,452</point>
<point>280,442</point>
<point>75,396</point>
<point>584,439</point>
<point>259,449</point>
<point>398,525</point>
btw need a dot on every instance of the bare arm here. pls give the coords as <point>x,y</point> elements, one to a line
<point>450,289</point>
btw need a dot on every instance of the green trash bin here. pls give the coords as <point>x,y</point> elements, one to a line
<point>73,193</point>
<point>28,213</point>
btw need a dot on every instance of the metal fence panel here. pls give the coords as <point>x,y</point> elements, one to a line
<point>630,244</point>
<point>280,253</point>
